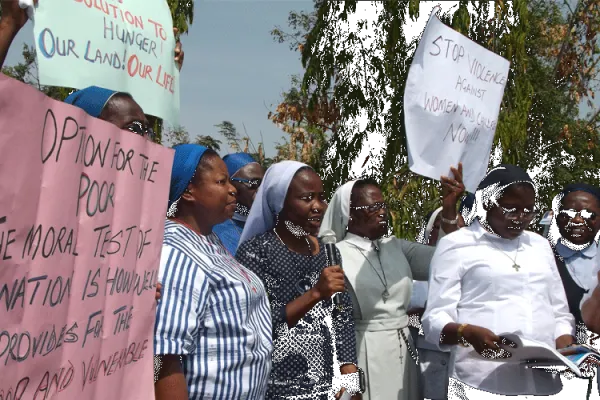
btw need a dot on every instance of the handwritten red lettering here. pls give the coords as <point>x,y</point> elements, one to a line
<point>158,29</point>
<point>165,80</point>
<point>136,67</point>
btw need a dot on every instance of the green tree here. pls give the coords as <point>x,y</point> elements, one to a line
<point>307,129</point>
<point>179,135</point>
<point>234,141</point>
<point>27,72</point>
<point>231,135</point>
<point>538,123</point>
<point>209,142</point>
<point>174,136</point>
<point>183,14</point>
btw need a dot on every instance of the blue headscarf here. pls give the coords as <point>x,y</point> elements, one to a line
<point>237,161</point>
<point>92,99</point>
<point>187,158</point>
<point>576,187</point>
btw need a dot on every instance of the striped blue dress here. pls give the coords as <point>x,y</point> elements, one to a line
<point>214,312</point>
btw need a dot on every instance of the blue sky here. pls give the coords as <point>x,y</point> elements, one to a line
<point>233,69</point>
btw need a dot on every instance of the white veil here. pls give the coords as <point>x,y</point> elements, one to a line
<point>270,198</point>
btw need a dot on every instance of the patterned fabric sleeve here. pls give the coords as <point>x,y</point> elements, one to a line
<point>252,255</point>
<point>343,325</point>
<point>180,310</point>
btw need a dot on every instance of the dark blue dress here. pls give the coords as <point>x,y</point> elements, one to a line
<point>302,355</point>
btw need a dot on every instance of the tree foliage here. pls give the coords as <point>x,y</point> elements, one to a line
<point>183,14</point>
<point>553,52</point>
<point>179,135</point>
<point>27,72</point>
<point>306,128</point>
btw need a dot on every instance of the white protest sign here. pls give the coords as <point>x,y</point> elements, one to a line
<point>451,104</point>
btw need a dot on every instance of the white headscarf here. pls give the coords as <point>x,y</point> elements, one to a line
<point>270,198</point>
<point>429,226</point>
<point>338,212</point>
<point>29,5</point>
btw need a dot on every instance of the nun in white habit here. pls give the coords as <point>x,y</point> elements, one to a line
<point>380,272</point>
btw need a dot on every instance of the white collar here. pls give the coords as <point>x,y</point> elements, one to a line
<point>360,242</point>
<point>239,217</point>
<point>567,252</point>
<point>479,231</point>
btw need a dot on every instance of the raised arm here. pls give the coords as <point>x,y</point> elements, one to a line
<point>419,258</point>
<point>452,190</point>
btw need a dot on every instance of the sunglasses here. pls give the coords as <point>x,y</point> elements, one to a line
<point>140,129</point>
<point>371,208</point>
<point>570,214</point>
<point>252,184</point>
<point>514,214</point>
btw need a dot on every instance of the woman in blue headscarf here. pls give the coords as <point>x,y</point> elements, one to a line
<point>246,175</point>
<point>574,234</point>
<point>214,315</point>
<point>118,108</point>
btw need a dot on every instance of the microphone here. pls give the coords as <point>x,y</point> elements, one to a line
<point>329,239</point>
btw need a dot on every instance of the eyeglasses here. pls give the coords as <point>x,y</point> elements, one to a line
<point>140,129</point>
<point>252,184</point>
<point>515,214</point>
<point>371,208</point>
<point>571,214</point>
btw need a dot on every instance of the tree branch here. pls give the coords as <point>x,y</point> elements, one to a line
<point>594,118</point>
<point>572,19</point>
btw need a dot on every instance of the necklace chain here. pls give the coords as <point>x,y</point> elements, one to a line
<point>305,238</point>
<point>514,260</point>
<point>385,293</point>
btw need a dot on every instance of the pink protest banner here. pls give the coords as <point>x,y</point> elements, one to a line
<point>82,208</point>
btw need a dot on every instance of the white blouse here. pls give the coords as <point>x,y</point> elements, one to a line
<point>473,281</point>
<point>580,264</point>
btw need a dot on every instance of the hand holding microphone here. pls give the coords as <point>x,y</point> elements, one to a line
<point>331,280</point>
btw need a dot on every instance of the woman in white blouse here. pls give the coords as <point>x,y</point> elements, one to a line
<point>573,234</point>
<point>380,272</point>
<point>494,277</point>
